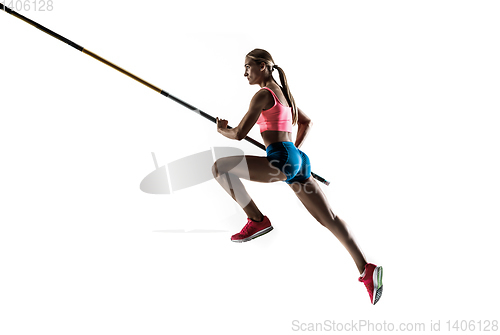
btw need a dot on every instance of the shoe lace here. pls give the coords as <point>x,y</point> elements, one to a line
<point>369,288</point>
<point>244,230</point>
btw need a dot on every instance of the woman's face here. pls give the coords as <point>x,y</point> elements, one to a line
<point>252,71</point>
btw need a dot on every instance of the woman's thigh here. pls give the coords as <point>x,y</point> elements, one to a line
<point>254,168</point>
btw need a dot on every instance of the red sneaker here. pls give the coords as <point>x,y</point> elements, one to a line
<point>372,278</point>
<point>253,230</point>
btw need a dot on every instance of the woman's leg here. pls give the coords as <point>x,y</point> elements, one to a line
<point>315,201</point>
<point>228,171</point>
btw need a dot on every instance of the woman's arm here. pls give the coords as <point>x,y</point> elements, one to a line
<point>239,132</point>
<point>304,125</point>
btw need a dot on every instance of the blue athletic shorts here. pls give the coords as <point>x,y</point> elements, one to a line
<point>285,157</point>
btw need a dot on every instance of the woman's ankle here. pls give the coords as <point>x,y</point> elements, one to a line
<point>257,218</point>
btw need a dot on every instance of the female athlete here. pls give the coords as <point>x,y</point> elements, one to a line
<point>273,109</point>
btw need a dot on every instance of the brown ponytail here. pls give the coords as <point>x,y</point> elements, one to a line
<point>288,95</point>
<point>262,56</point>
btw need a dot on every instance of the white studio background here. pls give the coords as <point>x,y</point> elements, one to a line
<point>404,97</point>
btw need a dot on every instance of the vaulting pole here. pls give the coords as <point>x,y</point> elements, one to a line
<point>116,67</point>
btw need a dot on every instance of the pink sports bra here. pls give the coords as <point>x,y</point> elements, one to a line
<point>277,117</point>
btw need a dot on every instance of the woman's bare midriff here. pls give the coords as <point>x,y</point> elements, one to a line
<point>273,136</point>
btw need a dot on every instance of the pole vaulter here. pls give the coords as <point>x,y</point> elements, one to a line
<point>370,274</point>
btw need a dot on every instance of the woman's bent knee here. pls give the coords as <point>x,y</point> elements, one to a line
<point>215,171</point>
<point>223,165</point>
<point>220,167</point>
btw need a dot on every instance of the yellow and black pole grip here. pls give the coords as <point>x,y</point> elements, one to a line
<point>157,89</point>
